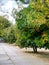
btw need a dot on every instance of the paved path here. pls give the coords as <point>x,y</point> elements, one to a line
<point>10,55</point>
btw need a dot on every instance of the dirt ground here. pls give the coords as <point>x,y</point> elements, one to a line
<point>41,54</point>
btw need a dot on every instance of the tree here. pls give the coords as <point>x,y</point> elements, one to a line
<point>33,24</point>
<point>9,34</point>
<point>4,23</point>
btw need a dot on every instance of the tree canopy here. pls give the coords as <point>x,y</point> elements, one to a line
<point>7,30</point>
<point>33,24</point>
<point>4,23</point>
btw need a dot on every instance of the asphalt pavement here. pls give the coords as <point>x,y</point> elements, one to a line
<point>10,55</point>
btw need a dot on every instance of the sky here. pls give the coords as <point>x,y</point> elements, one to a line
<point>6,7</point>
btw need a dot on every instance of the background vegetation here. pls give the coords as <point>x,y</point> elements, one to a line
<point>7,30</point>
<point>32,26</point>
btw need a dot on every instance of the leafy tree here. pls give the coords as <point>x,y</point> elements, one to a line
<point>33,25</point>
<point>9,34</point>
<point>4,23</point>
<point>7,30</point>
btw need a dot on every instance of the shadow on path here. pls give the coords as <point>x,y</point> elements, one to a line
<point>41,54</point>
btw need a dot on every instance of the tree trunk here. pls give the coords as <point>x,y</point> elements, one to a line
<point>35,49</point>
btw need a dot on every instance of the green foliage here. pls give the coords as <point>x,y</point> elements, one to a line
<point>33,24</point>
<point>24,1</point>
<point>21,0</point>
<point>4,23</point>
<point>7,30</point>
<point>9,34</point>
